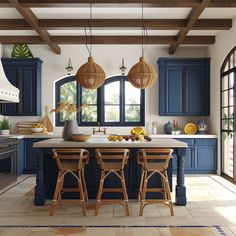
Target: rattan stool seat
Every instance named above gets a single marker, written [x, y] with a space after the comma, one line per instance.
[112, 161]
[154, 161]
[70, 161]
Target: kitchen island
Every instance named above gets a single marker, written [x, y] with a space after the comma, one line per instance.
[47, 169]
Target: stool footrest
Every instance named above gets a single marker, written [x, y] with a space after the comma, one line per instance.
[69, 201]
[70, 190]
[116, 190]
[154, 190]
[111, 201]
[157, 201]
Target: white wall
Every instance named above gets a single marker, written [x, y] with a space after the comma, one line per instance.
[109, 56]
[225, 41]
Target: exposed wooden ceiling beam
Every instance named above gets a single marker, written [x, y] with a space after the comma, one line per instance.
[206, 40]
[161, 24]
[191, 20]
[154, 24]
[120, 3]
[32, 20]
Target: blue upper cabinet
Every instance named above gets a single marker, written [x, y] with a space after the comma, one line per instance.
[25, 74]
[184, 87]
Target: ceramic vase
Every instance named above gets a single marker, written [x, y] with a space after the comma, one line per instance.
[70, 127]
[168, 128]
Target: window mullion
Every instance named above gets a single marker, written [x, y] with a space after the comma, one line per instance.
[122, 101]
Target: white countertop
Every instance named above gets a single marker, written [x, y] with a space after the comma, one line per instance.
[103, 142]
[19, 136]
[184, 136]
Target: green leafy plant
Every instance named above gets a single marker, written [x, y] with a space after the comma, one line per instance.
[21, 51]
[5, 124]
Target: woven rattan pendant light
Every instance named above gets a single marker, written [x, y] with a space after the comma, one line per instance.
[142, 75]
[90, 75]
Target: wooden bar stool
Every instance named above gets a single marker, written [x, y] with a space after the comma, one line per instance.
[112, 161]
[154, 161]
[70, 161]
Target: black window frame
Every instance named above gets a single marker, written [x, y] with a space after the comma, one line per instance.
[226, 72]
[101, 103]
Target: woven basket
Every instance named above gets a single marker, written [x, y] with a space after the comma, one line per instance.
[90, 75]
[142, 75]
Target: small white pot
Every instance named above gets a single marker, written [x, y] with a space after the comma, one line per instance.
[5, 132]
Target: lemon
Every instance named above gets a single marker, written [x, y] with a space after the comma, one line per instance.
[141, 137]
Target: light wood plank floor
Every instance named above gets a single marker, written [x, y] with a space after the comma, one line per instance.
[211, 202]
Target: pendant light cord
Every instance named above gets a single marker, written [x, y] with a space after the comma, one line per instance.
[89, 48]
[142, 31]
[144, 34]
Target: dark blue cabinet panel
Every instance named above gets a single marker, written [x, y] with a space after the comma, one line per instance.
[174, 87]
[205, 158]
[184, 86]
[20, 157]
[200, 156]
[25, 74]
[30, 159]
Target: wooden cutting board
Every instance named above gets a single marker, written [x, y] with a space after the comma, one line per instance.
[46, 121]
[25, 127]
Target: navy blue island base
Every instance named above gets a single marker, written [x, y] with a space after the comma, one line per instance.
[47, 173]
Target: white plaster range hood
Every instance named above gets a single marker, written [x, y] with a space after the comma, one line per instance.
[8, 92]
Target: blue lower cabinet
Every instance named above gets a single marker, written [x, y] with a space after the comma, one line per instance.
[200, 156]
[30, 157]
[205, 159]
[20, 157]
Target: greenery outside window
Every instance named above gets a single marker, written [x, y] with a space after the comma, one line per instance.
[117, 102]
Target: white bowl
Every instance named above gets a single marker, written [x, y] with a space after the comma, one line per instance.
[37, 130]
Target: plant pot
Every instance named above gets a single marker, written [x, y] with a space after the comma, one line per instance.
[70, 127]
[5, 132]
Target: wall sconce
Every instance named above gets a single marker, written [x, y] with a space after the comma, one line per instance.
[69, 67]
[123, 67]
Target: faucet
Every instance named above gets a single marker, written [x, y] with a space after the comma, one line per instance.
[99, 130]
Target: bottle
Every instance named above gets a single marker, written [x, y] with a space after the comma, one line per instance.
[168, 128]
[154, 128]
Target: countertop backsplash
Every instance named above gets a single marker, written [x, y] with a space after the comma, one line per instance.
[159, 120]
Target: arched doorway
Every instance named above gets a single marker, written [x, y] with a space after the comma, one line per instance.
[228, 116]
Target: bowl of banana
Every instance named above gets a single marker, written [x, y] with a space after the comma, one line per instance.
[37, 128]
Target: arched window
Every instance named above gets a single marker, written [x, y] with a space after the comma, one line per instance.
[228, 105]
[117, 102]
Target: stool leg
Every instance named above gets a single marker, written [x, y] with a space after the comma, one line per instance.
[141, 186]
[61, 187]
[81, 193]
[163, 182]
[99, 195]
[56, 193]
[125, 193]
[143, 196]
[169, 195]
[85, 187]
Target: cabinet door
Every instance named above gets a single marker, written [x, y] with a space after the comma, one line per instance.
[174, 91]
[205, 159]
[30, 156]
[29, 88]
[25, 74]
[195, 90]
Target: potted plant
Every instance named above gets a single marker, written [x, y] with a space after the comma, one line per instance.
[5, 126]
